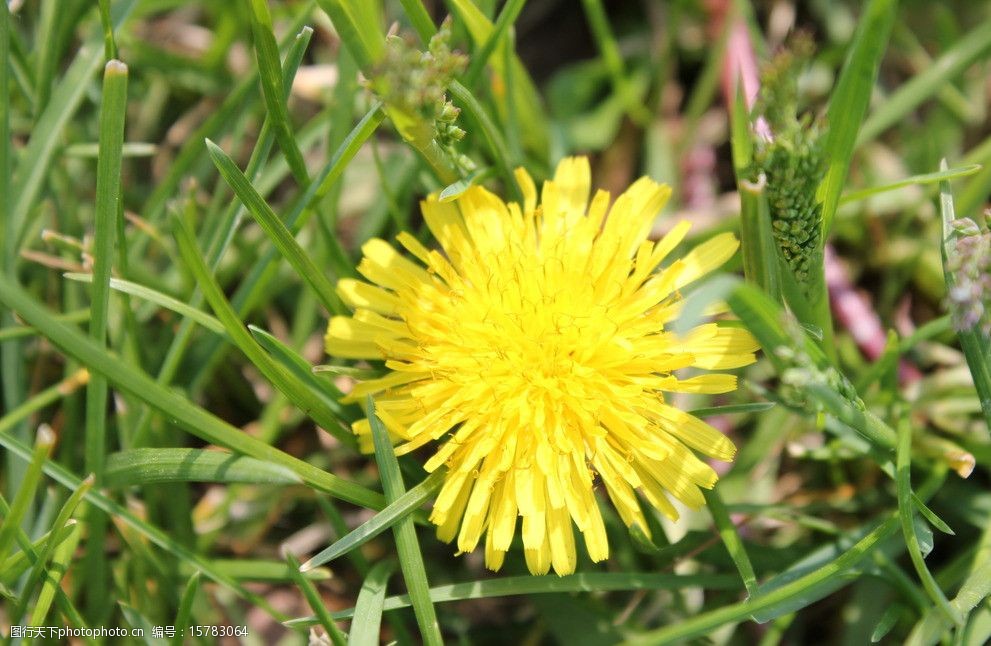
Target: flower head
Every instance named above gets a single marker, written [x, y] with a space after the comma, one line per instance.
[533, 351]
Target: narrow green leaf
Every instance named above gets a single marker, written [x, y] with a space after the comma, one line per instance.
[108, 209]
[30, 554]
[192, 418]
[61, 522]
[143, 466]
[906, 515]
[490, 133]
[527, 585]
[731, 539]
[277, 232]
[301, 369]
[26, 490]
[410, 559]
[254, 569]
[185, 614]
[732, 409]
[158, 298]
[850, 98]
[507, 17]
[887, 622]
[368, 609]
[62, 557]
[364, 45]
[931, 516]
[393, 513]
[419, 18]
[923, 179]
[281, 378]
[313, 598]
[270, 73]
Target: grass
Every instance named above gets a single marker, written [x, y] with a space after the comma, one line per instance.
[173, 229]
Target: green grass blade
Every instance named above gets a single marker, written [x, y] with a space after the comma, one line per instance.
[582, 582]
[906, 515]
[850, 98]
[507, 17]
[923, 179]
[186, 414]
[61, 559]
[270, 72]
[26, 490]
[732, 409]
[155, 535]
[281, 378]
[368, 609]
[276, 230]
[410, 559]
[61, 522]
[419, 18]
[143, 466]
[316, 602]
[107, 211]
[731, 539]
[395, 512]
[973, 342]
[30, 553]
[962, 54]
[185, 613]
[364, 45]
[301, 369]
[262, 570]
[702, 623]
[158, 298]
[490, 133]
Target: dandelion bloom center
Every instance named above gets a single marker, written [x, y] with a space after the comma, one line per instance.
[534, 349]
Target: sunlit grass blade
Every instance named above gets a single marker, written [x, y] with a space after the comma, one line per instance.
[281, 378]
[303, 582]
[528, 584]
[973, 342]
[301, 261]
[850, 98]
[158, 298]
[61, 559]
[365, 45]
[30, 553]
[27, 488]
[368, 609]
[107, 210]
[143, 466]
[186, 414]
[270, 72]
[393, 513]
[410, 558]
[61, 521]
[261, 570]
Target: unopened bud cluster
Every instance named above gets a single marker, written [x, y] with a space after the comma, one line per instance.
[793, 162]
[970, 296]
[414, 84]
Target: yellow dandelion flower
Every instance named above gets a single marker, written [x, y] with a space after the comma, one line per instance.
[533, 351]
